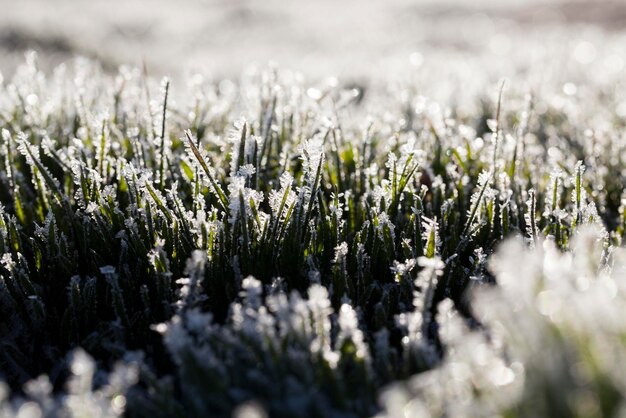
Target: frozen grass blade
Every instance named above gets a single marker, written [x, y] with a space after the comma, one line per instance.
[223, 200]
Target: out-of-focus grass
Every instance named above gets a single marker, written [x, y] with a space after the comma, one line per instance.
[352, 39]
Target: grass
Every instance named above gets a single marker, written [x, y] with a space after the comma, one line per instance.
[263, 246]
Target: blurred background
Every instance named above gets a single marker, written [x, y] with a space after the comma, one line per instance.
[348, 38]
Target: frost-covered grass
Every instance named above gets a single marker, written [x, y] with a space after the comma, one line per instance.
[296, 249]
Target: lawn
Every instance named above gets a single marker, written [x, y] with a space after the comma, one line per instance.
[276, 245]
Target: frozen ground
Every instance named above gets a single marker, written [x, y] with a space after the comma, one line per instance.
[350, 192]
[350, 38]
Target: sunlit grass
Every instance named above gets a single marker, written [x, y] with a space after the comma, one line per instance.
[270, 241]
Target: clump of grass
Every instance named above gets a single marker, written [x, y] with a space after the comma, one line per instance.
[261, 243]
